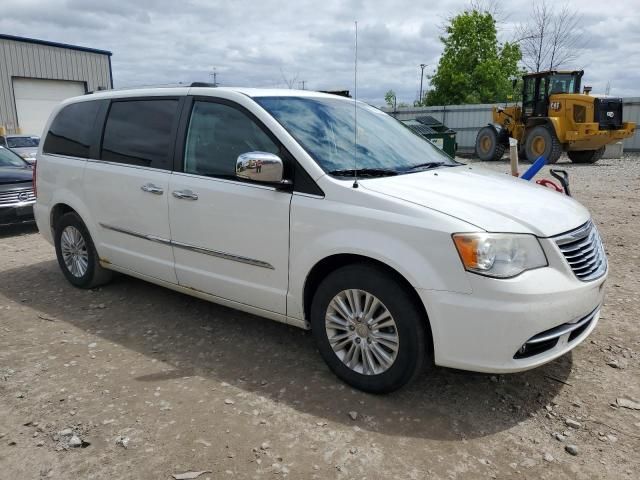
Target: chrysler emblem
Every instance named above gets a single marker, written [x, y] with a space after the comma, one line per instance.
[23, 196]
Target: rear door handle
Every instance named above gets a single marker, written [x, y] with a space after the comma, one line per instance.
[185, 195]
[151, 188]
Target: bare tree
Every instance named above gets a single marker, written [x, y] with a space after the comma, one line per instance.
[551, 38]
[533, 37]
[564, 40]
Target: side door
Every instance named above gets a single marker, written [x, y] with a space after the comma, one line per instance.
[528, 97]
[127, 185]
[230, 237]
[541, 108]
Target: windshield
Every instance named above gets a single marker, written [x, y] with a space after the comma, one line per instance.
[562, 83]
[10, 159]
[20, 142]
[325, 128]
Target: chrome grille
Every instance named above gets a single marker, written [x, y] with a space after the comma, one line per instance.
[19, 195]
[583, 250]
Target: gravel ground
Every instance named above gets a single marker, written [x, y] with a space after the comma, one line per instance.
[135, 381]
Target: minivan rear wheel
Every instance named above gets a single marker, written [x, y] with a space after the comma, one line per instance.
[368, 328]
[76, 253]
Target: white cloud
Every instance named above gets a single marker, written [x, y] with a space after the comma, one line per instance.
[254, 43]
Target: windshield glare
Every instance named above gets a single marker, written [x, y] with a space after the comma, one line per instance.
[10, 159]
[20, 142]
[325, 128]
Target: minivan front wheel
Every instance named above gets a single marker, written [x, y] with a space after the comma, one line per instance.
[368, 328]
[76, 253]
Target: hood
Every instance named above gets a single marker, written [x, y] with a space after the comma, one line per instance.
[491, 201]
[15, 174]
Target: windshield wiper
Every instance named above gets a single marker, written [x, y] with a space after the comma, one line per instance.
[364, 172]
[427, 166]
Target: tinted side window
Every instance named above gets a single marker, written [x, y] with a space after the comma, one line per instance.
[217, 135]
[71, 131]
[141, 132]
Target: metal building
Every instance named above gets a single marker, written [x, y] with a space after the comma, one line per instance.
[35, 75]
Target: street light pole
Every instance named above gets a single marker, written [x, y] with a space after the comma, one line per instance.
[422, 65]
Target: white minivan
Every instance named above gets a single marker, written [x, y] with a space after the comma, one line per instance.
[274, 203]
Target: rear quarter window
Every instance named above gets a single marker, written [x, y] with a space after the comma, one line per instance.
[71, 131]
[141, 132]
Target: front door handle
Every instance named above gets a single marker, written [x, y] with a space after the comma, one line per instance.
[151, 188]
[185, 195]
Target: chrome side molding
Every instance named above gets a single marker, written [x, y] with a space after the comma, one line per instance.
[151, 238]
[192, 248]
[226, 256]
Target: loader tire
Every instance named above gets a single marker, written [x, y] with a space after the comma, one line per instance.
[542, 141]
[586, 156]
[488, 146]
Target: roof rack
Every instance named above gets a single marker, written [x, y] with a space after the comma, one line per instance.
[203, 84]
[138, 87]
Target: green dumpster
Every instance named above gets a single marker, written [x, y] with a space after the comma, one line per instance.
[436, 132]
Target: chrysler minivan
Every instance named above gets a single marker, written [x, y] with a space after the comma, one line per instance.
[273, 202]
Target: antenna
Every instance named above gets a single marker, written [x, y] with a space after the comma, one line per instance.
[355, 114]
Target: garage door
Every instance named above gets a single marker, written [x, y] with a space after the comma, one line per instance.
[35, 99]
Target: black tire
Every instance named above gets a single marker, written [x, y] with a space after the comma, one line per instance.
[488, 146]
[410, 327]
[94, 275]
[586, 156]
[542, 140]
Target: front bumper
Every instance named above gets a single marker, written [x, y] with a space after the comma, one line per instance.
[16, 213]
[484, 331]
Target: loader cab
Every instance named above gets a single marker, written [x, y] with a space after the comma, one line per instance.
[537, 87]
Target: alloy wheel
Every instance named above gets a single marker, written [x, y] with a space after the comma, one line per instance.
[74, 251]
[362, 332]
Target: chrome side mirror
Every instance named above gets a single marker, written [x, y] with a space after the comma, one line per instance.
[260, 167]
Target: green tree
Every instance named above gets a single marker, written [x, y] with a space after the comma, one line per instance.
[474, 67]
[390, 98]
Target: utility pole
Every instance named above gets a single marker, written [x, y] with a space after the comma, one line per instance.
[214, 74]
[422, 65]
[303, 82]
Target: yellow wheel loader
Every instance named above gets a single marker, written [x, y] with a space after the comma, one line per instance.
[554, 118]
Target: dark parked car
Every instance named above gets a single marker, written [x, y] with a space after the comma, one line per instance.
[16, 188]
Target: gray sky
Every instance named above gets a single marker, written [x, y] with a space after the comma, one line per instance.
[262, 43]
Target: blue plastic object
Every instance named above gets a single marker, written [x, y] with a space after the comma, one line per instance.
[533, 169]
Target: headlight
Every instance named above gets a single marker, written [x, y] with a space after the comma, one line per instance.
[500, 255]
